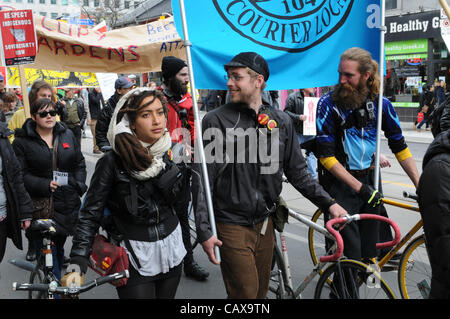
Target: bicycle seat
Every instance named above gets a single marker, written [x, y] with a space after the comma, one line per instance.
[43, 226]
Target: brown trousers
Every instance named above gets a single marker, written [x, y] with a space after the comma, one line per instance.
[92, 125]
[246, 259]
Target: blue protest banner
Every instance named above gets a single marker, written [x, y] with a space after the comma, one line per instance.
[301, 40]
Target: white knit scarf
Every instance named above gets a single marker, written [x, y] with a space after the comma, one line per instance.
[157, 150]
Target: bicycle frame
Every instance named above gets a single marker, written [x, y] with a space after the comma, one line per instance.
[333, 234]
[405, 238]
[318, 267]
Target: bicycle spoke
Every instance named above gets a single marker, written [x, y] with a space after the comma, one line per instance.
[351, 280]
[415, 271]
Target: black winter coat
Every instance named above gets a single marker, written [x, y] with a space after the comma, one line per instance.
[102, 126]
[19, 202]
[36, 159]
[434, 204]
[445, 118]
[138, 209]
[95, 104]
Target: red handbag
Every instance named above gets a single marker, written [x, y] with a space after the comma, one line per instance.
[420, 116]
[107, 258]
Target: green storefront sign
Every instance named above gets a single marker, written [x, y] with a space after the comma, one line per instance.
[405, 104]
[403, 50]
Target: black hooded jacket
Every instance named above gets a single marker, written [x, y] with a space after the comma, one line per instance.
[434, 204]
[35, 158]
[19, 205]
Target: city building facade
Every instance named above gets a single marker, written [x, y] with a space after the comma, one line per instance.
[416, 53]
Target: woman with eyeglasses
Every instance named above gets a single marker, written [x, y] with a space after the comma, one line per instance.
[34, 145]
[139, 181]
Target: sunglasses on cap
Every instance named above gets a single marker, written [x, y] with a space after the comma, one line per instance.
[44, 114]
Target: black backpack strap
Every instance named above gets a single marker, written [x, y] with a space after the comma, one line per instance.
[134, 197]
[182, 113]
[131, 251]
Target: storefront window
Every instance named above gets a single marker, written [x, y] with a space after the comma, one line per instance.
[404, 79]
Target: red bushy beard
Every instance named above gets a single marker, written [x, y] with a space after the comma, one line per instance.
[348, 97]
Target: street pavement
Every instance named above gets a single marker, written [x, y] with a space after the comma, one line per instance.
[394, 182]
[411, 135]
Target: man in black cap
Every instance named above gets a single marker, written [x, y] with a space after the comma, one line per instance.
[246, 192]
[179, 101]
[180, 116]
[122, 85]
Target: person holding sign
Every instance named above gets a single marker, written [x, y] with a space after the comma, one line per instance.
[53, 167]
[298, 113]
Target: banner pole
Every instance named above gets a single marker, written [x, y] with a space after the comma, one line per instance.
[23, 86]
[198, 129]
[444, 5]
[380, 97]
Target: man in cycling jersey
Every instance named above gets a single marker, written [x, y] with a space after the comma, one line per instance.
[346, 141]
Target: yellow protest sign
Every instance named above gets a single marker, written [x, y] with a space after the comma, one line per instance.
[55, 78]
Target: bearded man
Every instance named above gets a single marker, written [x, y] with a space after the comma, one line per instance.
[346, 143]
[180, 120]
[179, 101]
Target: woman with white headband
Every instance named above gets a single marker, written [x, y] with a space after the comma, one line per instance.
[139, 183]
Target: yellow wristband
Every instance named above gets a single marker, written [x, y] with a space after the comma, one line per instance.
[328, 162]
[402, 155]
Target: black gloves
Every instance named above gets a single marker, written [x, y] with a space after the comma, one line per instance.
[169, 181]
[370, 195]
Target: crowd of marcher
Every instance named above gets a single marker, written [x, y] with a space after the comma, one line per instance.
[140, 191]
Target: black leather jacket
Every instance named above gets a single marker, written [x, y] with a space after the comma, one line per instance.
[138, 209]
[295, 105]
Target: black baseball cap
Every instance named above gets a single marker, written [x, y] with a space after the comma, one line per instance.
[252, 60]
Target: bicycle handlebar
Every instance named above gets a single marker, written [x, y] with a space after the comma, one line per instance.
[70, 291]
[408, 195]
[350, 218]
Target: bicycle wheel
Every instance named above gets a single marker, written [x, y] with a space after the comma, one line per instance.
[278, 272]
[351, 279]
[316, 240]
[192, 229]
[414, 273]
[37, 277]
